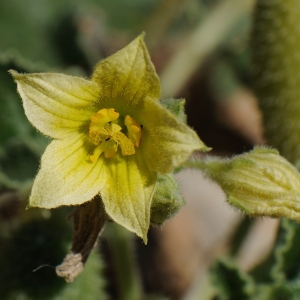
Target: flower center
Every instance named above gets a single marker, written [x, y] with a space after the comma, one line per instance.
[106, 133]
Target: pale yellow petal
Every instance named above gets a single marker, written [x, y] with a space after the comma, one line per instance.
[128, 191]
[166, 142]
[57, 104]
[128, 75]
[67, 175]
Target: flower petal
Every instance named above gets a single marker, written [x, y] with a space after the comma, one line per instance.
[56, 104]
[167, 142]
[67, 175]
[128, 74]
[128, 192]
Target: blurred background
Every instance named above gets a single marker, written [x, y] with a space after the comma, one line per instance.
[201, 51]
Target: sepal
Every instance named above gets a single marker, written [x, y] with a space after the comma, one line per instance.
[176, 106]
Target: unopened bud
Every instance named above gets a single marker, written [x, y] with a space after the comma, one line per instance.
[260, 182]
[167, 200]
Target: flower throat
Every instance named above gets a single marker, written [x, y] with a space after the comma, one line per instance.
[107, 135]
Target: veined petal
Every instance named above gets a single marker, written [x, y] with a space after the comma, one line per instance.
[67, 175]
[128, 75]
[128, 192]
[56, 104]
[167, 142]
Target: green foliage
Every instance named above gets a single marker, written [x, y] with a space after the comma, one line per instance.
[230, 282]
[20, 145]
[287, 252]
[30, 26]
[28, 247]
[127, 14]
[281, 272]
[27, 27]
[12, 161]
[13, 121]
[45, 241]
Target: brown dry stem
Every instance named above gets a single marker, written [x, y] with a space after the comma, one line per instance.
[89, 219]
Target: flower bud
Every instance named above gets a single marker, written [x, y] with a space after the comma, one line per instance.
[260, 183]
[166, 200]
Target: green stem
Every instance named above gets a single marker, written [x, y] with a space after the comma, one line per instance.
[211, 166]
[276, 65]
[123, 256]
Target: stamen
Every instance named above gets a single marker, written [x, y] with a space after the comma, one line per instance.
[97, 151]
[102, 117]
[134, 130]
[110, 148]
[115, 128]
[107, 135]
[125, 143]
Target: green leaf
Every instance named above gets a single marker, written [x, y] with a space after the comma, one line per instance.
[230, 282]
[13, 121]
[32, 244]
[278, 277]
[24, 26]
[45, 241]
[20, 143]
[18, 161]
[287, 254]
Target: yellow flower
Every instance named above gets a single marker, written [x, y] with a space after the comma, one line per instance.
[111, 136]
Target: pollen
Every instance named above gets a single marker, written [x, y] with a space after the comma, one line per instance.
[106, 133]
